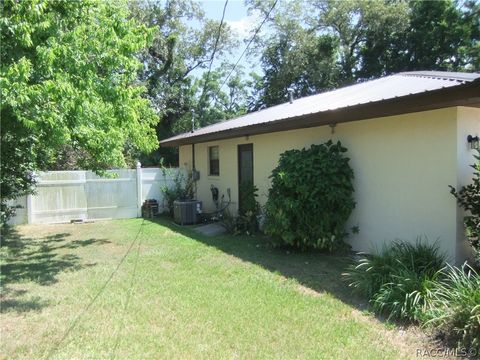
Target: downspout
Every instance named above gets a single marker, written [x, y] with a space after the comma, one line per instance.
[193, 157]
[194, 170]
[194, 175]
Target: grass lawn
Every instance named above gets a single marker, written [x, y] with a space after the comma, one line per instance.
[67, 293]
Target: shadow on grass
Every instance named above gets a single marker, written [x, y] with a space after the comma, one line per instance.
[312, 269]
[38, 260]
[22, 305]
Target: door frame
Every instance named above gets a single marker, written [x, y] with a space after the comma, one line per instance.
[239, 149]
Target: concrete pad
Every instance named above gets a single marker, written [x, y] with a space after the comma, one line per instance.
[213, 229]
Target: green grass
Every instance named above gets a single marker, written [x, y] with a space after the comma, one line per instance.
[177, 294]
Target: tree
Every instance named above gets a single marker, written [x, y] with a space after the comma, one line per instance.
[312, 46]
[316, 46]
[225, 95]
[352, 20]
[212, 102]
[183, 45]
[442, 35]
[300, 61]
[68, 79]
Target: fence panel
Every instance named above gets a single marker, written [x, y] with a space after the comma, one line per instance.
[63, 196]
[60, 197]
[114, 198]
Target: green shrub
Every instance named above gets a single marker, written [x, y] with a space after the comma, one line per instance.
[311, 198]
[247, 215]
[405, 296]
[183, 188]
[246, 222]
[398, 280]
[469, 200]
[367, 275]
[455, 306]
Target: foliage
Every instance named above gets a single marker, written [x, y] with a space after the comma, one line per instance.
[444, 35]
[248, 198]
[68, 72]
[311, 198]
[210, 103]
[410, 282]
[294, 57]
[246, 222]
[229, 222]
[370, 272]
[469, 199]
[397, 280]
[183, 188]
[405, 296]
[18, 155]
[352, 21]
[455, 306]
[182, 48]
[313, 46]
[7, 211]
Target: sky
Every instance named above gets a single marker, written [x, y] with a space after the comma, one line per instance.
[237, 17]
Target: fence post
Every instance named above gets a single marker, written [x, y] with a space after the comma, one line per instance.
[29, 209]
[139, 189]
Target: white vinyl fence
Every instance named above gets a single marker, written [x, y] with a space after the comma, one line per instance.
[62, 196]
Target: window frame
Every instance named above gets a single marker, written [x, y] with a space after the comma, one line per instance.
[210, 173]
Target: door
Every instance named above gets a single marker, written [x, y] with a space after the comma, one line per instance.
[245, 169]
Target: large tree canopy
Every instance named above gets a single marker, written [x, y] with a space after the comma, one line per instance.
[313, 46]
[440, 35]
[69, 79]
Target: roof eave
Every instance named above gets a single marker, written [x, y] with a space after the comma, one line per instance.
[462, 95]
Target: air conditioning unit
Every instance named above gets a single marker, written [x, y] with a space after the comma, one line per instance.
[185, 212]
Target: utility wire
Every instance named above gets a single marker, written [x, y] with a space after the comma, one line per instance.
[217, 39]
[207, 78]
[85, 310]
[245, 50]
[127, 301]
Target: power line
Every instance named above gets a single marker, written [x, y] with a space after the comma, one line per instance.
[217, 39]
[129, 295]
[245, 50]
[207, 78]
[89, 305]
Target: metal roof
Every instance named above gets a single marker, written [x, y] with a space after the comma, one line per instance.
[398, 86]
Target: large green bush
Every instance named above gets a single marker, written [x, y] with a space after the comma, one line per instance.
[398, 279]
[311, 198]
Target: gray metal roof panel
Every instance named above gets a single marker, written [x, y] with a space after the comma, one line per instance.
[389, 87]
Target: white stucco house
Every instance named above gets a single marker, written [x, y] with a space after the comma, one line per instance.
[407, 140]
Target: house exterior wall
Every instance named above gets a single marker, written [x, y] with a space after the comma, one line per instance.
[402, 164]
